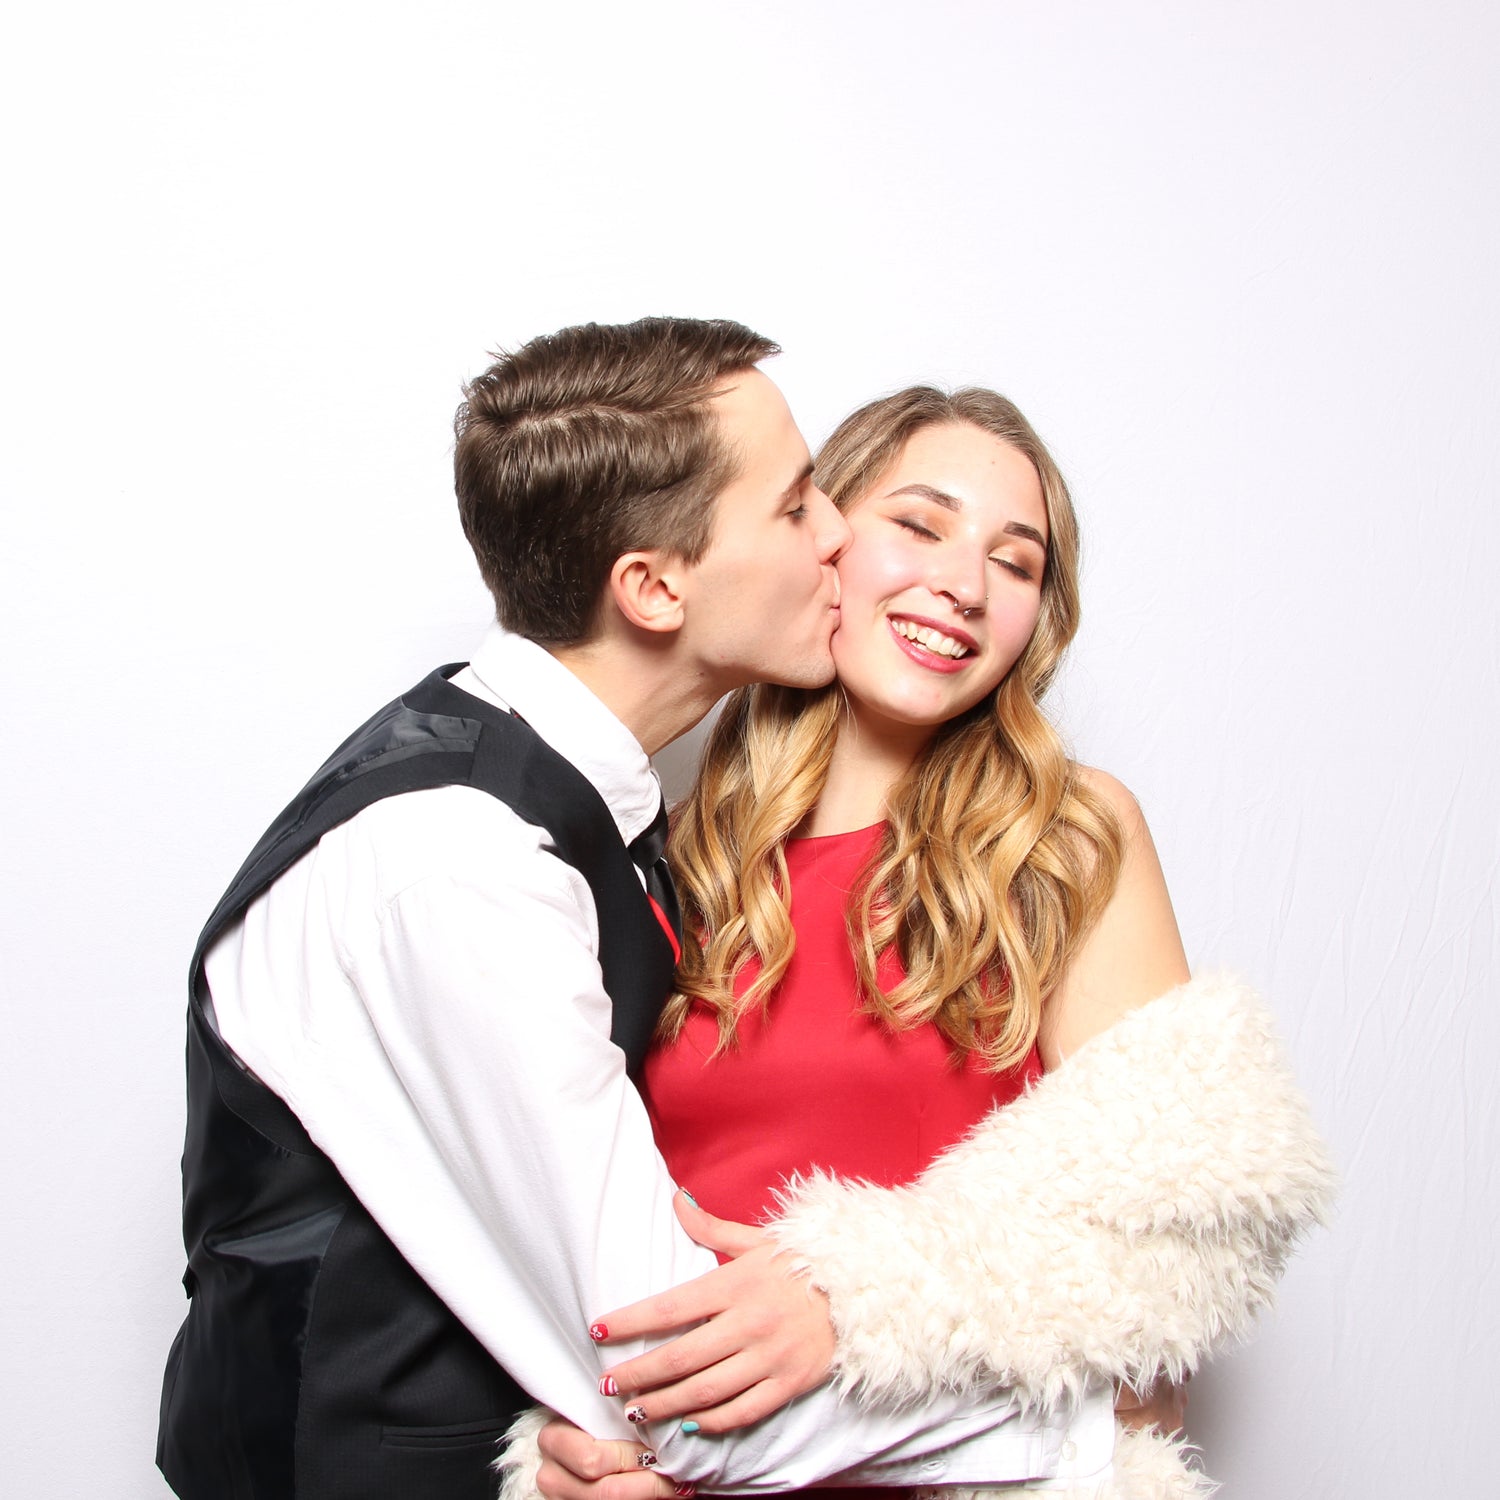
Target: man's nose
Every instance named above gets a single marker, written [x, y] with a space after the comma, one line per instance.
[833, 532]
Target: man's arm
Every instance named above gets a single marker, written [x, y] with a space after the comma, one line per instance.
[423, 992]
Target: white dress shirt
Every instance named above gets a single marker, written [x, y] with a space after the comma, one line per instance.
[423, 990]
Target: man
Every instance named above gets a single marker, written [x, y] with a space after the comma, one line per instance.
[415, 1165]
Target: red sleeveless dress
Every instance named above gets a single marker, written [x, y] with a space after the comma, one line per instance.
[813, 1082]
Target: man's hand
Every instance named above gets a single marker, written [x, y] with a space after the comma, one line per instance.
[1162, 1406]
[763, 1337]
[578, 1467]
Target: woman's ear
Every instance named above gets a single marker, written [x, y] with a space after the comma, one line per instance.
[646, 588]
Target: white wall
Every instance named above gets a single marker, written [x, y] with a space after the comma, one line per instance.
[1236, 260]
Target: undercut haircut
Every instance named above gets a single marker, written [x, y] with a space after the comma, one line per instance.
[588, 443]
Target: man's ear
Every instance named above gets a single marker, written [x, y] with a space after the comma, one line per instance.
[646, 588]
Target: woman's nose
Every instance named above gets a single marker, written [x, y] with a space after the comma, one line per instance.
[966, 598]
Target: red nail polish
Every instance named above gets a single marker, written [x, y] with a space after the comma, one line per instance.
[598, 1332]
[685, 1491]
[646, 1460]
[608, 1386]
[636, 1414]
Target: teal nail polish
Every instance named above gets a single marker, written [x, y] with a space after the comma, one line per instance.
[690, 1428]
[691, 1200]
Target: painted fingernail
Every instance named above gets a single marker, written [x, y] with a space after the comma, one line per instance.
[690, 1427]
[685, 1491]
[635, 1413]
[608, 1386]
[646, 1460]
[688, 1196]
[598, 1332]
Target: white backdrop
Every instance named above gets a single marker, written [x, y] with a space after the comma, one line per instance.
[1236, 260]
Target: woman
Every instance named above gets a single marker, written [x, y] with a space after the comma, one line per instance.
[904, 875]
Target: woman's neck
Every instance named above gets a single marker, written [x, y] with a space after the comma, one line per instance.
[867, 763]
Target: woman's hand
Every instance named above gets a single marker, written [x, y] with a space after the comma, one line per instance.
[578, 1467]
[1162, 1406]
[764, 1335]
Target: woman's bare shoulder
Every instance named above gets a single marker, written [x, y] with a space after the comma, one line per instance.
[1115, 795]
[1133, 952]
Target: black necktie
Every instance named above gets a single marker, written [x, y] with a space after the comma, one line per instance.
[646, 851]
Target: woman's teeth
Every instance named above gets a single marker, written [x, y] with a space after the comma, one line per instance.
[934, 640]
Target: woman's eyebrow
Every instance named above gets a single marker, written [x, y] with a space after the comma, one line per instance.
[1029, 533]
[950, 502]
[926, 491]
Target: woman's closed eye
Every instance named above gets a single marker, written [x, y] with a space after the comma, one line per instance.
[917, 528]
[1014, 565]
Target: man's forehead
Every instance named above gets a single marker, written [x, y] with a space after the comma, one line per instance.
[758, 429]
[746, 394]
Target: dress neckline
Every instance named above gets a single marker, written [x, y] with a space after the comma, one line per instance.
[866, 832]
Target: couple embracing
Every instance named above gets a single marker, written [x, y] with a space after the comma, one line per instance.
[912, 1020]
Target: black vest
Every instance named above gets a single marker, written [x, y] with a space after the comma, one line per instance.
[314, 1362]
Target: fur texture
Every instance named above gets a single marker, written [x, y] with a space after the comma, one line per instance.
[1130, 1213]
[1149, 1466]
[520, 1458]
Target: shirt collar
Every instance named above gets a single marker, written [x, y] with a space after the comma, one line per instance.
[511, 672]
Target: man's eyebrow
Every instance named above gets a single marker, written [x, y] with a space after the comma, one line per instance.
[797, 483]
[949, 502]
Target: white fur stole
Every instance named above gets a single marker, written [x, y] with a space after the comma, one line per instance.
[1125, 1216]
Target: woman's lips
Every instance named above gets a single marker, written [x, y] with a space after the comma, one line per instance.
[933, 661]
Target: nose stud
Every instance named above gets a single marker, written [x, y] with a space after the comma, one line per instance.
[964, 610]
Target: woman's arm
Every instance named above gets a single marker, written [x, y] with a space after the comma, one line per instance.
[1133, 953]
[1130, 1212]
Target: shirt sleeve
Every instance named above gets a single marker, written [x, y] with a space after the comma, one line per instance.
[423, 990]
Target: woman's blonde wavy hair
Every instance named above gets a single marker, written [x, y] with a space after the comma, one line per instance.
[997, 856]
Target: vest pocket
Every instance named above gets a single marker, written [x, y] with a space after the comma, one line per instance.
[456, 1435]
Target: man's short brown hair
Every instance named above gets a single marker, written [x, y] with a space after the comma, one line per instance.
[586, 444]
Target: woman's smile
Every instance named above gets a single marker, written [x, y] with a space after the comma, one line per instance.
[930, 644]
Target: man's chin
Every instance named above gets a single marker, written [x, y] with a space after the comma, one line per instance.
[808, 675]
